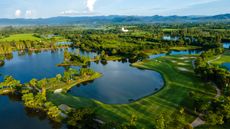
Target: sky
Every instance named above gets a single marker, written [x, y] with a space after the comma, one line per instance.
[53, 8]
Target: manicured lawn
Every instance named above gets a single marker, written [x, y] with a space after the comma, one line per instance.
[169, 30]
[179, 81]
[18, 37]
[224, 58]
[185, 48]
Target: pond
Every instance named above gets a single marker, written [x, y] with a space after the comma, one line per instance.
[15, 116]
[120, 83]
[170, 38]
[226, 45]
[226, 65]
[64, 43]
[39, 66]
[175, 52]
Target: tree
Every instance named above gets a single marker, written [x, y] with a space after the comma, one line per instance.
[54, 113]
[81, 117]
[67, 55]
[133, 120]
[214, 118]
[188, 126]
[11, 82]
[66, 77]
[33, 82]
[58, 77]
[43, 84]
[114, 51]
[161, 122]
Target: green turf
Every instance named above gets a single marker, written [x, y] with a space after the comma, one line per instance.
[224, 58]
[169, 30]
[185, 48]
[180, 80]
[18, 37]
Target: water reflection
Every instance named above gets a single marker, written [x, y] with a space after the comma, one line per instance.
[15, 116]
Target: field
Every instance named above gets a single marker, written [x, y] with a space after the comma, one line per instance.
[179, 81]
[18, 37]
[185, 48]
[223, 58]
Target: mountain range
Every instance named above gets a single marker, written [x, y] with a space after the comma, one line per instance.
[115, 20]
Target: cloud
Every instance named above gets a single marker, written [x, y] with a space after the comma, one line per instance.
[69, 12]
[28, 13]
[202, 2]
[75, 13]
[18, 13]
[90, 5]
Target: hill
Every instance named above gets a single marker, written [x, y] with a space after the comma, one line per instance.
[115, 20]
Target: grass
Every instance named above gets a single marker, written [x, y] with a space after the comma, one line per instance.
[185, 48]
[224, 58]
[18, 37]
[169, 30]
[175, 94]
[78, 80]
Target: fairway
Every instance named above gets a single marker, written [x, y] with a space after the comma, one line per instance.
[18, 37]
[223, 58]
[179, 81]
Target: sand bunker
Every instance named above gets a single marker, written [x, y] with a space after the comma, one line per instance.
[182, 64]
[182, 69]
[186, 61]
[183, 58]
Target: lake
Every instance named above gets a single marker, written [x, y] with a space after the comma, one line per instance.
[15, 116]
[175, 52]
[227, 65]
[226, 45]
[120, 84]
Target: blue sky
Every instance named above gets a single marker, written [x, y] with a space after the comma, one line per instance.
[51, 8]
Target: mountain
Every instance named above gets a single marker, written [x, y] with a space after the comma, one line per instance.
[115, 20]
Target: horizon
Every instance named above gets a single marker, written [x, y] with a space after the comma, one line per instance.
[31, 9]
[117, 16]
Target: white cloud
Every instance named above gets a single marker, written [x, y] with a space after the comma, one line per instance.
[18, 13]
[90, 5]
[69, 12]
[28, 13]
[195, 2]
[75, 13]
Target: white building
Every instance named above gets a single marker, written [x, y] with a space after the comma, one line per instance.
[124, 30]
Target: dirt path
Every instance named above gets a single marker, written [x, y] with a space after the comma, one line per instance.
[218, 92]
[198, 121]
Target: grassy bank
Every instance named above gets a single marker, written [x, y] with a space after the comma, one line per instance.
[223, 58]
[185, 48]
[179, 81]
[78, 80]
[163, 50]
[6, 91]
